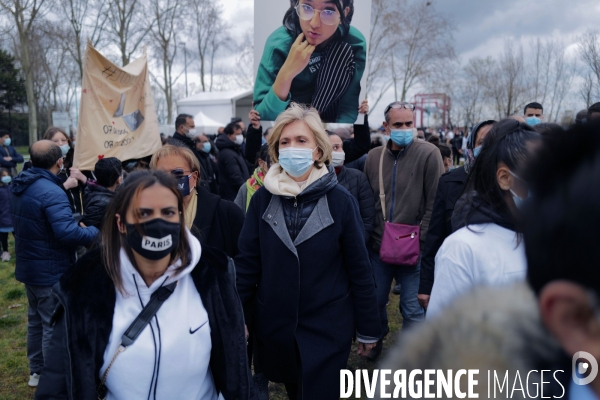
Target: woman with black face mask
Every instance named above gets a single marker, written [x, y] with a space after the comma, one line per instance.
[215, 221]
[149, 313]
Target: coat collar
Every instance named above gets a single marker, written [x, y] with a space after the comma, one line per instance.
[207, 209]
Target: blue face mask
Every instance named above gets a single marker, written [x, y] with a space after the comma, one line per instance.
[206, 147]
[183, 184]
[518, 200]
[7, 142]
[6, 179]
[65, 149]
[476, 151]
[531, 121]
[296, 161]
[402, 137]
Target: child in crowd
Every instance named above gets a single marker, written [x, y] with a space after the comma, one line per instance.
[6, 224]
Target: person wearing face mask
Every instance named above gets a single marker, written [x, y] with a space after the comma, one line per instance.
[486, 246]
[355, 182]
[6, 222]
[9, 157]
[450, 187]
[533, 113]
[304, 263]
[73, 180]
[214, 221]
[46, 235]
[408, 170]
[186, 135]
[256, 181]
[190, 344]
[109, 175]
[232, 165]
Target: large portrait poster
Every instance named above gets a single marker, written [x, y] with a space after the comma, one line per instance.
[311, 52]
[117, 116]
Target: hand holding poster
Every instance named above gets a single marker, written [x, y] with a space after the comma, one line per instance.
[117, 116]
[317, 57]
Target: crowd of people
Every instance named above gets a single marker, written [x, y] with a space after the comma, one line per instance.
[262, 255]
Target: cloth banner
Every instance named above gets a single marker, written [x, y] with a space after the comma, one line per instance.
[117, 117]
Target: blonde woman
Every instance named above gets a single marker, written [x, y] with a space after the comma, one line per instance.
[213, 220]
[303, 259]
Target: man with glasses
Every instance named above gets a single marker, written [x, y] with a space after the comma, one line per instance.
[410, 170]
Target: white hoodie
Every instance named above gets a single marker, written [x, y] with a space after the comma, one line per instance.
[171, 354]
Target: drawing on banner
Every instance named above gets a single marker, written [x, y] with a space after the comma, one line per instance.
[117, 116]
[317, 56]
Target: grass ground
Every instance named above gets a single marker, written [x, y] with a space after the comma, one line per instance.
[14, 371]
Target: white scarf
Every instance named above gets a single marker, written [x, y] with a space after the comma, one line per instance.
[279, 183]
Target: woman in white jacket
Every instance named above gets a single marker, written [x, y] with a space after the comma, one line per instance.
[486, 246]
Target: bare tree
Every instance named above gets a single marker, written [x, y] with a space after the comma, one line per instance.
[423, 41]
[507, 86]
[164, 39]
[211, 36]
[86, 19]
[127, 26]
[589, 52]
[25, 14]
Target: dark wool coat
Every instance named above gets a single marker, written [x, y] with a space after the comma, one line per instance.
[218, 222]
[233, 167]
[450, 188]
[46, 235]
[358, 185]
[83, 323]
[312, 294]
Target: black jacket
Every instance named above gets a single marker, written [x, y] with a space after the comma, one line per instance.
[253, 143]
[358, 185]
[95, 200]
[312, 294]
[218, 222]
[207, 174]
[361, 144]
[83, 323]
[233, 167]
[450, 187]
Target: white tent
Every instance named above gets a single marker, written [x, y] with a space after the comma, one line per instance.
[206, 124]
[221, 106]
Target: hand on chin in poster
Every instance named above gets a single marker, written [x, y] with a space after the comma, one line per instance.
[317, 57]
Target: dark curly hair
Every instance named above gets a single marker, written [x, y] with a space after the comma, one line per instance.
[291, 22]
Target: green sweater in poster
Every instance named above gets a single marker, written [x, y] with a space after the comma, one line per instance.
[274, 55]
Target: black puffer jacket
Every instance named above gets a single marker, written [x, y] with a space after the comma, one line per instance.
[358, 185]
[233, 167]
[296, 210]
[95, 200]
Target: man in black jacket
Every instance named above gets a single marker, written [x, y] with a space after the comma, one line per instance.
[233, 167]
[108, 173]
[185, 131]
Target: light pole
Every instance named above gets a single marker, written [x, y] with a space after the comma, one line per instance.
[185, 65]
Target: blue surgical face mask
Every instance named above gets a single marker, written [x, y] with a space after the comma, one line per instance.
[296, 161]
[7, 142]
[65, 149]
[518, 200]
[402, 137]
[206, 147]
[532, 121]
[476, 151]
[6, 179]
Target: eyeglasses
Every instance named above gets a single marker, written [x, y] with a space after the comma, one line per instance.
[306, 12]
[178, 172]
[398, 105]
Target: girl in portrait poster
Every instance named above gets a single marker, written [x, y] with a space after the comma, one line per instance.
[315, 58]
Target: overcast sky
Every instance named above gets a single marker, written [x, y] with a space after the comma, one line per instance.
[482, 26]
